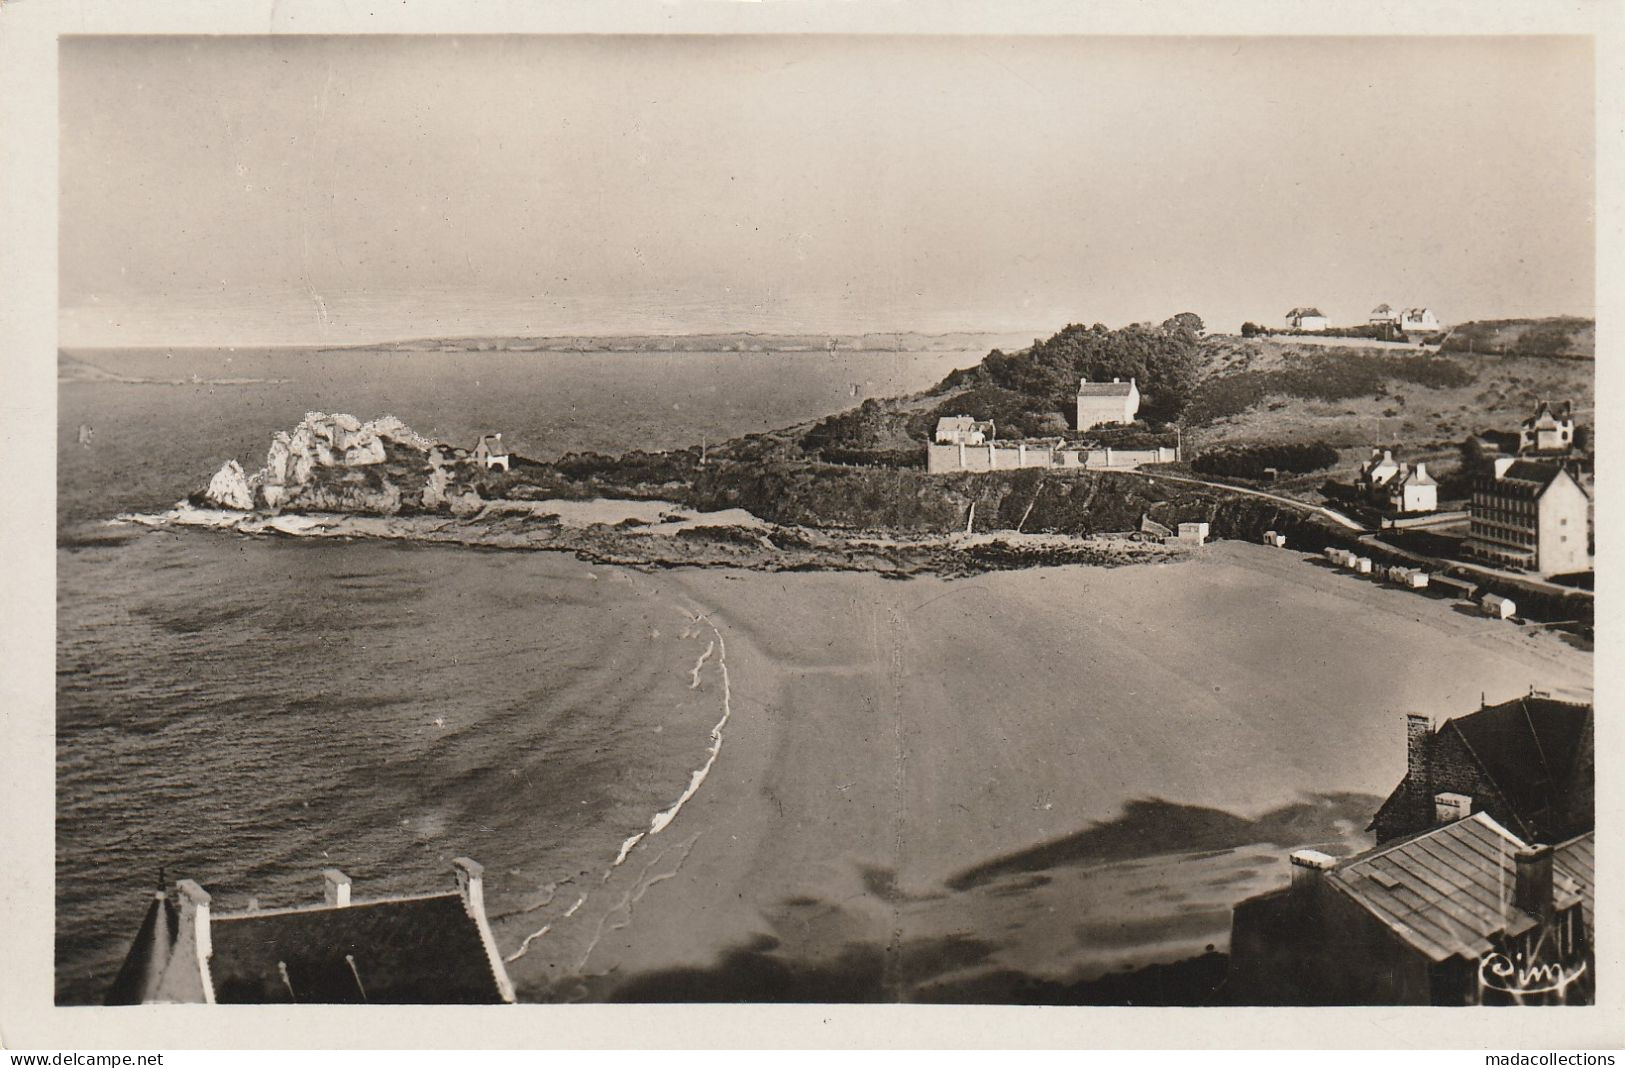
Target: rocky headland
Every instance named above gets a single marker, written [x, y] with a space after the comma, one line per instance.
[337, 476]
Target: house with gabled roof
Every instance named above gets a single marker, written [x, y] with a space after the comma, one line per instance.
[1396, 486]
[1549, 430]
[1528, 762]
[490, 453]
[1418, 321]
[963, 430]
[1462, 914]
[1106, 403]
[1383, 315]
[424, 949]
[1308, 318]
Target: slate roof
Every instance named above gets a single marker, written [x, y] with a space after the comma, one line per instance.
[1529, 748]
[1576, 861]
[1447, 892]
[423, 950]
[1382, 309]
[493, 444]
[1537, 751]
[1105, 389]
[1551, 412]
[148, 954]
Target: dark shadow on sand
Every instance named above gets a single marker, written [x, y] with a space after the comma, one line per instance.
[1152, 827]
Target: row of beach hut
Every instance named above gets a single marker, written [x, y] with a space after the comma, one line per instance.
[1414, 578]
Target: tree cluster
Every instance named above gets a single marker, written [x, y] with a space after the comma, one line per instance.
[1162, 359]
[1252, 461]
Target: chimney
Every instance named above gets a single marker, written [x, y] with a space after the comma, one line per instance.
[1418, 773]
[335, 887]
[1449, 807]
[194, 917]
[1309, 867]
[471, 884]
[1421, 471]
[1533, 890]
[1116, 381]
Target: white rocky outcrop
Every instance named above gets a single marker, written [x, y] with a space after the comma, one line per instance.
[229, 488]
[320, 440]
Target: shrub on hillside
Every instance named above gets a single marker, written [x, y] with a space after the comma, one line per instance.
[1163, 359]
[1014, 414]
[1337, 374]
[1250, 461]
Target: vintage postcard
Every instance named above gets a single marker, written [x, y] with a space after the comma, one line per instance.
[980, 518]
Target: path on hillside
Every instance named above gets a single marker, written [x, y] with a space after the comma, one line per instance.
[1303, 506]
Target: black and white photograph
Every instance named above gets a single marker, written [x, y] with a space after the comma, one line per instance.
[1071, 520]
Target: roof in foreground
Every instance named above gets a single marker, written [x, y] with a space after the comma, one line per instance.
[1448, 892]
[424, 950]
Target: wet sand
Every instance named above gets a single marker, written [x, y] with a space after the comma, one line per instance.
[951, 789]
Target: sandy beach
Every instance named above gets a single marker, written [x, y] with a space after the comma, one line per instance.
[959, 789]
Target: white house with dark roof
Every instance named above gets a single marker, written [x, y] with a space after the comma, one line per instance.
[1398, 486]
[1418, 321]
[1550, 429]
[963, 430]
[1309, 318]
[1383, 315]
[422, 949]
[1107, 403]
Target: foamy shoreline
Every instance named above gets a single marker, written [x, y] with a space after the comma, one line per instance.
[663, 534]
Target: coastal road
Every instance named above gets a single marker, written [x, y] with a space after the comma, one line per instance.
[1302, 506]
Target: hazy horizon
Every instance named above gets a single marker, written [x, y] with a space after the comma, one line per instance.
[343, 190]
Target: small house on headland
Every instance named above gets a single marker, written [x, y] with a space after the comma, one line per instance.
[490, 453]
[1383, 315]
[424, 949]
[1306, 319]
[1528, 762]
[1463, 914]
[1106, 403]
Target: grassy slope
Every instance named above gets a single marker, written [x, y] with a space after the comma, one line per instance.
[1428, 423]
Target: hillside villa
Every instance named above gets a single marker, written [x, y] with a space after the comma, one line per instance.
[1549, 430]
[1397, 487]
[419, 949]
[1107, 403]
[1532, 515]
[1418, 321]
[1306, 319]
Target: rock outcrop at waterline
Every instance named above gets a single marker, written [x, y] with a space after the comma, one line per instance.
[337, 463]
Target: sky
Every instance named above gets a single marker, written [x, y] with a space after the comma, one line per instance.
[299, 190]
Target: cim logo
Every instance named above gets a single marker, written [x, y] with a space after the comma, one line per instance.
[1520, 978]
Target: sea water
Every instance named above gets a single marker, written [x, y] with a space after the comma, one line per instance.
[245, 711]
